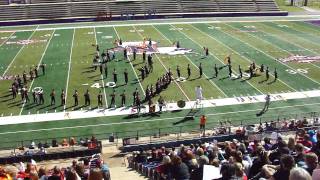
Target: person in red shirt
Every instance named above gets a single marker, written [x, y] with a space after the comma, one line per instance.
[203, 121]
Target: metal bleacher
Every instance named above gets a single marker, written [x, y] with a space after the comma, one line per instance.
[54, 9]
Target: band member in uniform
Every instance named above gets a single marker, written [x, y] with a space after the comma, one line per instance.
[34, 96]
[41, 97]
[178, 44]
[95, 61]
[125, 53]
[150, 63]
[106, 70]
[135, 94]
[100, 99]
[178, 72]
[26, 96]
[262, 68]
[206, 51]
[230, 70]
[14, 91]
[22, 94]
[134, 54]
[36, 71]
[63, 98]
[101, 68]
[43, 68]
[144, 56]
[251, 69]
[267, 73]
[142, 73]
[123, 98]
[87, 98]
[24, 75]
[216, 71]
[75, 97]
[53, 97]
[200, 70]
[125, 76]
[112, 103]
[31, 74]
[275, 74]
[97, 48]
[115, 76]
[240, 72]
[189, 71]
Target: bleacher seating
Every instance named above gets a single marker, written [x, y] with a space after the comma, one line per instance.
[51, 9]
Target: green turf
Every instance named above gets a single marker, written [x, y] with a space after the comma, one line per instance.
[263, 44]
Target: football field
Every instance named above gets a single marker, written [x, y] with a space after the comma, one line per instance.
[290, 47]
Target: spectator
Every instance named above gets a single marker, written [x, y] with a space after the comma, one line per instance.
[299, 174]
[299, 153]
[42, 174]
[286, 164]
[164, 168]
[64, 142]
[291, 144]
[179, 170]
[54, 143]
[105, 172]
[197, 174]
[311, 160]
[56, 174]
[95, 174]
[72, 141]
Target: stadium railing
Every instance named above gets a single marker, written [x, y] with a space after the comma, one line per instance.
[164, 134]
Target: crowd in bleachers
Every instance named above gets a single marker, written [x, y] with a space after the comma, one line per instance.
[276, 157]
[92, 168]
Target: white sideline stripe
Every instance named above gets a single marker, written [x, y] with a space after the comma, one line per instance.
[219, 60]
[43, 53]
[103, 85]
[177, 22]
[184, 93]
[192, 62]
[7, 39]
[14, 58]
[69, 69]
[170, 107]
[151, 120]
[131, 65]
[272, 57]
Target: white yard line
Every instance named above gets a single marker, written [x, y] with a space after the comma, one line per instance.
[131, 65]
[44, 52]
[40, 118]
[69, 69]
[103, 85]
[187, 21]
[218, 59]
[233, 51]
[14, 58]
[183, 92]
[269, 54]
[7, 39]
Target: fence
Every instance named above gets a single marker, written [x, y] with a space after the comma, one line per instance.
[153, 135]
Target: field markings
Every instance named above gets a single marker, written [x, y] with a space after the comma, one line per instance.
[14, 58]
[272, 57]
[191, 61]
[262, 53]
[227, 46]
[216, 57]
[43, 54]
[289, 42]
[131, 65]
[69, 69]
[103, 85]
[7, 39]
[184, 93]
[153, 120]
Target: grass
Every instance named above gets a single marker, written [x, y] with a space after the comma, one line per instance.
[284, 6]
[68, 55]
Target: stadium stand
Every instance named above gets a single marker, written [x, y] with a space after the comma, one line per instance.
[45, 9]
[273, 155]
